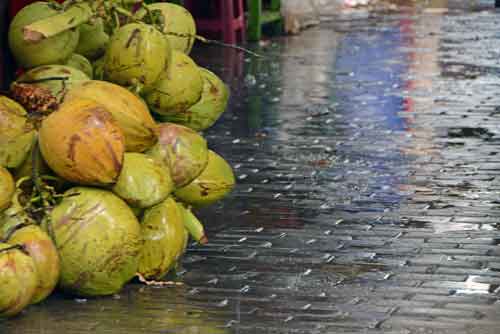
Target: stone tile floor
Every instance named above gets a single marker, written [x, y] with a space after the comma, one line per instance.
[367, 157]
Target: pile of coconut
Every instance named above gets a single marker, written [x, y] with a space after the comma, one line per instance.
[101, 156]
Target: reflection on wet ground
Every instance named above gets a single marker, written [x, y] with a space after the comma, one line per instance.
[366, 152]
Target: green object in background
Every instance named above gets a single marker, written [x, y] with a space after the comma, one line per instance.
[260, 15]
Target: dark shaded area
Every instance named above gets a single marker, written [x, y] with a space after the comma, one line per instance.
[6, 63]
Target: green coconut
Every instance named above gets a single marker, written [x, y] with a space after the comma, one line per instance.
[40, 247]
[7, 188]
[14, 216]
[129, 111]
[143, 181]
[16, 133]
[214, 183]
[98, 238]
[137, 54]
[18, 280]
[177, 20]
[81, 63]
[177, 89]
[57, 79]
[52, 50]
[183, 150]
[93, 40]
[164, 239]
[207, 111]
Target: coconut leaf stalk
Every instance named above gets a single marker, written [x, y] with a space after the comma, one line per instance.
[193, 225]
[54, 25]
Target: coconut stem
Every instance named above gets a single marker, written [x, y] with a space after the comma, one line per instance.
[194, 227]
[43, 80]
[215, 42]
[35, 171]
[117, 20]
[19, 247]
[50, 229]
[226, 45]
[123, 11]
[13, 229]
[46, 28]
[142, 279]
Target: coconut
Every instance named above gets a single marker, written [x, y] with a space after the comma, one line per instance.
[207, 111]
[82, 143]
[164, 239]
[7, 188]
[93, 39]
[143, 181]
[183, 150]
[98, 238]
[81, 63]
[16, 133]
[40, 247]
[129, 111]
[18, 280]
[137, 54]
[13, 217]
[214, 183]
[52, 50]
[178, 88]
[56, 79]
[177, 20]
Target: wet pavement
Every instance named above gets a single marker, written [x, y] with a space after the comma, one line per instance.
[367, 157]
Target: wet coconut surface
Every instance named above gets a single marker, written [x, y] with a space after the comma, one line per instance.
[366, 155]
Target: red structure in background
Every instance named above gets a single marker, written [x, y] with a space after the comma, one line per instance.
[8, 9]
[224, 17]
[16, 5]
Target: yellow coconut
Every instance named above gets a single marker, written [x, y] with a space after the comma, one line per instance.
[130, 112]
[82, 143]
[7, 188]
[18, 280]
[42, 250]
[16, 133]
